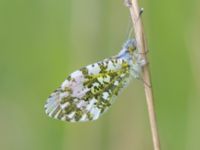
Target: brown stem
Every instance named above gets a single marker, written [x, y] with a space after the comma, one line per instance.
[142, 47]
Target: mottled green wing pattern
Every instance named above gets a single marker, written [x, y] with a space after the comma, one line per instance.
[89, 92]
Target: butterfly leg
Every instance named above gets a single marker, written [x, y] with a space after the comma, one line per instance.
[143, 81]
[144, 53]
[142, 63]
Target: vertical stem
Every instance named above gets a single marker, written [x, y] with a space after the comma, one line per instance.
[142, 47]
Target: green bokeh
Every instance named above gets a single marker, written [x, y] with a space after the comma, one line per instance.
[42, 41]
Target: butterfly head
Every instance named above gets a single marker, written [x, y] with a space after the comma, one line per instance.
[130, 45]
[128, 48]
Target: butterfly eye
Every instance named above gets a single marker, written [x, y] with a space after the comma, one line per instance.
[131, 49]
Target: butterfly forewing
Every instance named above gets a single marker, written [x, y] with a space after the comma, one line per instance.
[89, 92]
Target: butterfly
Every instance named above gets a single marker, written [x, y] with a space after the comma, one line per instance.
[89, 92]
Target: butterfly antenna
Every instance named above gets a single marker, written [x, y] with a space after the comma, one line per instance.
[129, 29]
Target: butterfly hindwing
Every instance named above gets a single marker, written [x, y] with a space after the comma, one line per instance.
[89, 92]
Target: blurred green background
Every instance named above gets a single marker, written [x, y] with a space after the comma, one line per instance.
[42, 41]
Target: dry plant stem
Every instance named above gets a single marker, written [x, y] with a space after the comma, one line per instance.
[142, 47]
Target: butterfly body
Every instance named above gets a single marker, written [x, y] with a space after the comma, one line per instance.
[90, 91]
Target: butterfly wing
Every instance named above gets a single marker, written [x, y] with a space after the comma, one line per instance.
[89, 92]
